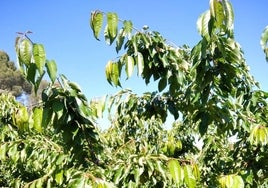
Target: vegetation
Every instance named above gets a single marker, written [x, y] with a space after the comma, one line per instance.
[218, 138]
[11, 79]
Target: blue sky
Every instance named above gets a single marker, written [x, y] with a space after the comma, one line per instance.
[63, 27]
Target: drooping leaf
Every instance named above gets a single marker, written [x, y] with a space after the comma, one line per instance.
[120, 40]
[3, 151]
[31, 73]
[264, 42]
[21, 117]
[188, 177]
[128, 26]
[231, 181]
[96, 21]
[175, 171]
[51, 69]
[204, 26]
[39, 56]
[59, 177]
[129, 65]
[162, 84]
[112, 23]
[118, 175]
[108, 71]
[229, 17]
[112, 71]
[259, 135]
[217, 12]
[140, 63]
[25, 51]
[38, 118]
[203, 125]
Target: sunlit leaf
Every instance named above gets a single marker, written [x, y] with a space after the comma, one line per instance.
[188, 177]
[203, 25]
[59, 177]
[264, 42]
[108, 71]
[175, 171]
[120, 40]
[140, 63]
[118, 175]
[115, 74]
[259, 135]
[217, 11]
[96, 21]
[25, 51]
[39, 56]
[231, 181]
[74, 86]
[37, 118]
[129, 65]
[21, 117]
[52, 70]
[160, 168]
[112, 22]
[128, 26]
[3, 150]
[229, 17]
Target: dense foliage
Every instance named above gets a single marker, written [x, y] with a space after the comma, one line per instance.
[11, 79]
[218, 139]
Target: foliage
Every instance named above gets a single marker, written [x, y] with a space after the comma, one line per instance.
[218, 138]
[264, 41]
[11, 80]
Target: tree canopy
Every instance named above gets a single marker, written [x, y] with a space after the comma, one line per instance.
[218, 139]
[11, 79]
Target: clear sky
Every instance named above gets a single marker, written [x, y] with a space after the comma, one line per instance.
[63, 27]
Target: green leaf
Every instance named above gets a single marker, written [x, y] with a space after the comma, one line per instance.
[52, 70]
[108, 71]
[196, 171]
[188, 177]
[3, 151]
[175, 171]
[25, 51]
[129, 65]
[238, 182]
[229, 17]
[112, 71]
[59, 177]
[203, 125]
[259, 135]
[115, 74]
[217, 12]
[37, 118]
[203, 25]
[21, 117]
[160, 169]
[118, 175]
[112, 22]
[162, 84]
[231, 181]
[39, 57]
[128, 26]
[140, 63]
[31, 73]
[120, 40]
[75, 86]
[96, 21]
[264, 42]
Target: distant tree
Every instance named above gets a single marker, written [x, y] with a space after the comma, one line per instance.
[11, 79]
